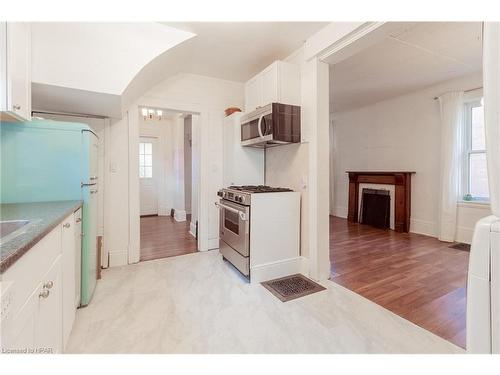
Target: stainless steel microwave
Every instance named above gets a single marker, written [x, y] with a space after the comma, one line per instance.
[272, 125]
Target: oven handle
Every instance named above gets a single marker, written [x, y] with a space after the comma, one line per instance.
[259, 126]
[243, 216]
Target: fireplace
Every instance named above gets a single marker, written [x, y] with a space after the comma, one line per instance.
[402, 195]
[376, 208]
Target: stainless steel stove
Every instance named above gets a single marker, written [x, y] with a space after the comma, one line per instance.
[272, 215]
[242, 194]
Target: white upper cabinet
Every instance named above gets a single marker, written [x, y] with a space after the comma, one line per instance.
[278, 83]
[15, 69]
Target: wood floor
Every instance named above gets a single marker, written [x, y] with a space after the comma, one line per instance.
[416, 277]
[162, 237]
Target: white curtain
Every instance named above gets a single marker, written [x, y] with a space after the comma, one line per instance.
[491, 83]
[451, 105]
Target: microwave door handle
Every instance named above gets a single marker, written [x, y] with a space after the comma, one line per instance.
[242, 214]
[259, 126]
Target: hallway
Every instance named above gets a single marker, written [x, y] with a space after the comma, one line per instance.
[163, 237]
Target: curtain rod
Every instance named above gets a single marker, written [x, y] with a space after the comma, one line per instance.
[469, 90]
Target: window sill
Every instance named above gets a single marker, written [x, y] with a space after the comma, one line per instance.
[473, 204]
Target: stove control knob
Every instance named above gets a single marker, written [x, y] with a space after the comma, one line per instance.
[239, 198]
[220, 193]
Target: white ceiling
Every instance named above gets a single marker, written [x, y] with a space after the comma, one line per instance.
[97, 56]
[238, 50]
[417, 56]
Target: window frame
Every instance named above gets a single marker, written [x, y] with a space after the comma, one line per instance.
[468, 105]
[144, 165]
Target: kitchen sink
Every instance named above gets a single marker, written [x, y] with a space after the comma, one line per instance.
[10, 226]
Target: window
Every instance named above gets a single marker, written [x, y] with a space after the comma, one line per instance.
[145, 160]
[475, 181]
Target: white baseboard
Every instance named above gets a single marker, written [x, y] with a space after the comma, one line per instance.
[427, 228]
[304, 266]
[192, 229]
[340, 211]
[118, 258]
[269, 271]
[179, 215]
[464, 235]
[213, 243]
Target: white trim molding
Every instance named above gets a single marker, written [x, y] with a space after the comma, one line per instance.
[192, 229]
[274, 270]
[118, 258]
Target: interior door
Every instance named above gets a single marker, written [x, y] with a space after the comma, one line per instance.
[147, 176]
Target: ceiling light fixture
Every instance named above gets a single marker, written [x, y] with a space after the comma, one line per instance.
[152, 114]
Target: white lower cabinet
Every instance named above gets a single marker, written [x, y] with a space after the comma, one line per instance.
[48, 319]
[40, 291]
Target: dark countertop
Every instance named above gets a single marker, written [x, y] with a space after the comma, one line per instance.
[43, 217]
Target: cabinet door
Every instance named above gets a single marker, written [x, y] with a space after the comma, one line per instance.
[3, 66]
[48, 322]
[288, 83]
[68, 273]
[270, 84]
[19, 69]
[18, 333]
[253, 94]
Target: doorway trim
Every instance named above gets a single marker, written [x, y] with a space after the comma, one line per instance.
[201, 121]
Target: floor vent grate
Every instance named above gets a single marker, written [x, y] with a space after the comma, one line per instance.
[292, 287]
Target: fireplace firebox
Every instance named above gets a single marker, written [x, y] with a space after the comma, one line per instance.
[402, 196]
[376, 208]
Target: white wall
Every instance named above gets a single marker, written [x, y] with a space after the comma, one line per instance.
[178, 169]
[116, 203]
[402, 133]
[187, 164]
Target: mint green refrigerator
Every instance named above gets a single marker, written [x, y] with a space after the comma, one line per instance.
[43, 160]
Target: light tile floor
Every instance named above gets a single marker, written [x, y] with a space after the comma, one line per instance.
[197, 303]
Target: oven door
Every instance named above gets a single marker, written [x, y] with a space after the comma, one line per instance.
[235, 226]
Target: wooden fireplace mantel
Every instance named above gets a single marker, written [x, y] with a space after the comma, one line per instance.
[402, 182]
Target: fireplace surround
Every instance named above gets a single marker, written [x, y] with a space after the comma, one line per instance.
[402, 183]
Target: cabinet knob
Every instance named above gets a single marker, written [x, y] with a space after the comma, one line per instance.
[16, 107]
[78, 220]
[48, 285]
[67, 225]
[93, 191]
[44, 293]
